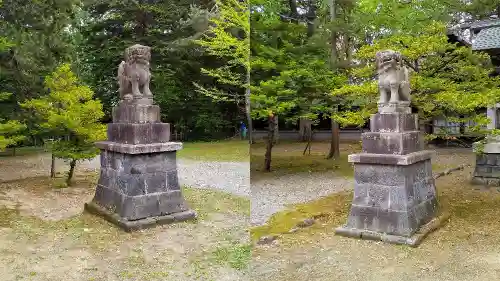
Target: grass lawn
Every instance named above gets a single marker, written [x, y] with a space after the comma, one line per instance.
[287, 158]
[232, 150]
[22, 151]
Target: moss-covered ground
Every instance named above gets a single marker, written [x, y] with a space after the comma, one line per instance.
[466, 248]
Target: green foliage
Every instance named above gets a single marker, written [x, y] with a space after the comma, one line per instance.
[386, 16]
[176, 62]
[228, 38]
[34, 41]
[69, 112]
[446, 80]
[290, 70]
[9, 131]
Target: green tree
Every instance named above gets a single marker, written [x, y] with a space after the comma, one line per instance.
[37, 42]
[109, 27]
[228, 38]
[291, 73]
[70, 112]
[446, 80]
[9, 131]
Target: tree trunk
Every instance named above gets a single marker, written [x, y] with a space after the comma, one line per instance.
[333, 39]
[270, 142]
[276, 135]
[53, 167]
[72, 165]
[335, 141]
[294, 14]
[248, 110]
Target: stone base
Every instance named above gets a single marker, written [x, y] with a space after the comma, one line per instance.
[133, 133]
[400, 143]
[412, 241]
[134, 225]
[396, 107]
[394, 122]
[392, 198]
[139, 148]
[487, 170]
[139, 183]
[136, 113]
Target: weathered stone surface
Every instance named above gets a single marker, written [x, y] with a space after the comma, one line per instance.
[139, 174]
[393, 199]
[134, 225]
[139, 148]
[392, 143]
[393, 82]
[391, 159]
[136, 113]
[413, 240]
[147, 133]
[394, 190]
[138, 186]
[396, 122]
[134, 207]
[492, 147]
[487, 170]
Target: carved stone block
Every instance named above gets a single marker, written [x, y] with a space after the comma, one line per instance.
[394, 189]
[145, 133]
[136, 113]
[392, 143]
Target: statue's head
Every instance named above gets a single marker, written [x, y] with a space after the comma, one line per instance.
[138, 53]
[388, 58]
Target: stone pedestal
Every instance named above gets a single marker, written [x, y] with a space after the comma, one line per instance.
[487, 170]
[138, 185]
[394, 191]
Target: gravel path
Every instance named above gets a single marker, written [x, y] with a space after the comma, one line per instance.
[272, 195]
[231, 177]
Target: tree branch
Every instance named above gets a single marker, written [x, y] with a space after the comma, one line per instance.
[410, 64]
[444, 65]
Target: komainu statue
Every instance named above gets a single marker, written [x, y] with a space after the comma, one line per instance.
[133, 73]
[393, 78]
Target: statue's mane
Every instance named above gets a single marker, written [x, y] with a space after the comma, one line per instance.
[384, 67]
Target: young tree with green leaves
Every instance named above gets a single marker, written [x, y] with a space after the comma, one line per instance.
[228, 38]
[70, 112]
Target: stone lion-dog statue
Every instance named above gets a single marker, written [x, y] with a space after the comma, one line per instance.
[133, 73]
[393, 78]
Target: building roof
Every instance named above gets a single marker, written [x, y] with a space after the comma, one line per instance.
[481, 24]
[487, 39]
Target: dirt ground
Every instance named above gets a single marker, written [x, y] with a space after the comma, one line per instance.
[44, 235]
[466, 248]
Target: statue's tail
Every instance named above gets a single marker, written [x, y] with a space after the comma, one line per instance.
[406, 86]
[121, 77]
[121, 70]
